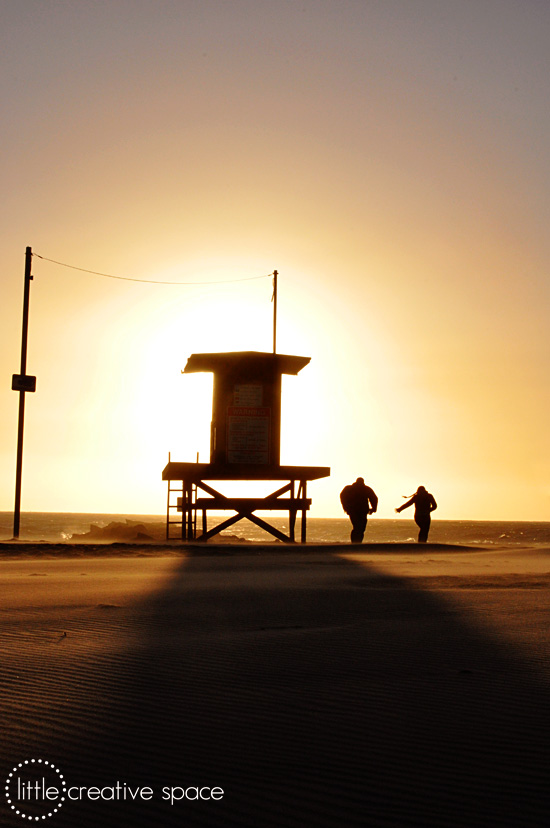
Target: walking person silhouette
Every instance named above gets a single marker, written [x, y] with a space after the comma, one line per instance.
[424, 505]
[358, 501]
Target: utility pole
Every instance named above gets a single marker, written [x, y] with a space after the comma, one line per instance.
[22, 383]
[275, 274]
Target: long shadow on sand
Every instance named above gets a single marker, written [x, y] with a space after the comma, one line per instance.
[313, 691]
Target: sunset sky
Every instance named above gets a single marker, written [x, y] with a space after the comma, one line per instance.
[388, 157]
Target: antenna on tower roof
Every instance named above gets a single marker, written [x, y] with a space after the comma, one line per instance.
[275, 274]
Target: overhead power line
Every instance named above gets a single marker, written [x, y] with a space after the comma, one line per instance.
[150, 281]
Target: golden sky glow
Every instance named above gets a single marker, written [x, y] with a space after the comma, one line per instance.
[388, 158]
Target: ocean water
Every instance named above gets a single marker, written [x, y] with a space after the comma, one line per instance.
[67, 527]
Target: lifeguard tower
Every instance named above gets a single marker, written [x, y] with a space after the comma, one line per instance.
[245, 444]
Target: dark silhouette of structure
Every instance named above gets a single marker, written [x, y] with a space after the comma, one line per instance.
[358, 501]
[424, 505]
[245, 444]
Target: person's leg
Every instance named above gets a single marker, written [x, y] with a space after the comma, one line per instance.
[359, 523]
[423, 523]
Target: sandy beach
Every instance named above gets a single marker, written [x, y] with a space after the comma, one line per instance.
[388, 685]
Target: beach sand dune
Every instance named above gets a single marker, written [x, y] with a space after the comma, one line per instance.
[315, 688]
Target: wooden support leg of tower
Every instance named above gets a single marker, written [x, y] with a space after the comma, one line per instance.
[292, 525]
[292, 516]
[189, 513]
[194, 497]
[302, 492]
[168, 513]
[184, 513]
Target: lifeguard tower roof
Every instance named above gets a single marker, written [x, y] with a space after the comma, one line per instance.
[248, 361]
